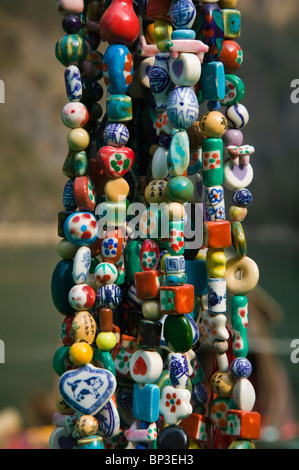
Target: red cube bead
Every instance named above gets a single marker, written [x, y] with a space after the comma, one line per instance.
[217, 234]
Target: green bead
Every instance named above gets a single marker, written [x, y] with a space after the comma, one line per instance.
[132, 259]
[234, 90]
[103, 359]
[179, 189]
[238, 239]
[239, 320]
[59, 360]
[212, 162]
[71, 49]
[176, 243]
[178, 333]
[178, 156]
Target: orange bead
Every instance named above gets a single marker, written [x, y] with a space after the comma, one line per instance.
[217, 234]
[81, 354]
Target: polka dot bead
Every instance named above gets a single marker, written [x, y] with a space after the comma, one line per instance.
[81, 297]
[237, 116]
[241, 367]
[80, 228]
[74, 115]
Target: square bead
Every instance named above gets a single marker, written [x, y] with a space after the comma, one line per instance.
[217, 234]
[197, 427]
[146, 401]
[243, 424]
[212, 81]
[177, 299]
[232, 23]
[148, 283]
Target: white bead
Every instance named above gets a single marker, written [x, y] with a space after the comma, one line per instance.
[185, 70]
[146, 366]
[223, 363]
[244, 395]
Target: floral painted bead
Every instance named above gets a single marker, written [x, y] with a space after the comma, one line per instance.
[178, 370]
[81, 229]
[81, 297]
[118, 69]
[175, 404]
[105, 273]
[85, 194]
[234, 90]
[73, 84]
[217, 295]
[112, 246]
[231, 56]
[116, 162]
[149, 255]
[215, 203]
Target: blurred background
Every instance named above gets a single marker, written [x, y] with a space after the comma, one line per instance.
[33, 149]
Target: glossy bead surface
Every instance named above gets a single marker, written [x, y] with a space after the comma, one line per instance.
[231, 56]
[178, 333]
[116, 134]
[118, 69]
[250, 275]
[173, 437]
[146, 366]
[238, 239]
[73, 84]
[232, 23]
[243, 424]
[234, 90]
[185, 70]
[83, 327]
[119, 23]
[71, 50]
[241, 367]
[215, 203]
[212, 162]
[80, 354]
[222, 383]
[86, 426]
[180, 189]
[80, 228]
[217, 295]
[61, 283]
[146, 402]
[182, 107]
[178, 154]
[74, 114]
[106, 341]
[119, 108]
[116, 162]
[175, 404]
[239, 319]
[212, 81]
[210, 25]
[81, 297]
[149, 335]
[178, 370]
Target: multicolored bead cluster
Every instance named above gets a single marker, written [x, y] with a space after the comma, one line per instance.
[138, 299]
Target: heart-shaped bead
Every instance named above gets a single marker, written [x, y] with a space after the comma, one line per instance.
[87, 389]
[116, 162]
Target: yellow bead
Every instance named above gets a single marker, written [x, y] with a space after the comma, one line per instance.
[162, 33]
[195, 445]
[216, 262]
[78, 139]
[213, 124]
[81, 354]
[175, 211]
[106, 341]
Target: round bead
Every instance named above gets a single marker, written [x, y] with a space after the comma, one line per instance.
[109, 296]
[175, 211]
[237, 213]
[234, 90]
[105, 273]
[116, 189]
[71, 24]
[213, 124]
[81, 228]
[233, 137]
[241, 367]
[151, 310]
[173, 437]
[71, 50]
[231, 56]
[199, 394]
[85, 193]
[242, 197]
[78, 139]
[249, 278]
[116, 134]
[86, 425]
[106, 340]
[237, 116]
[90, 443]
[180, 189]
[66, 250]
[155, 191]
[182, 14]
[182, 107]
[74, 115]
[222, 383]
[80, 354]
[81, 297]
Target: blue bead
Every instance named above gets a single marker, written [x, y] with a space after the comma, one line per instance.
[146, 401]
[199, 394]
[242, 197]
[116, 60]
[214, 105]
[182, 107]
[241, 367]
[183, 34]
[116, 134]
[196, 271]
[212, 81]
[182, 14]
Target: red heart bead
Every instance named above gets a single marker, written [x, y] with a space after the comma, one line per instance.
[116, 161]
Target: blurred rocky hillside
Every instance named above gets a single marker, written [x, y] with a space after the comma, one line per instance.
[33, 138]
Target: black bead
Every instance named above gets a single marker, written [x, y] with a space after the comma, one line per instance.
[173, 437]
[149, 334]
[71, 24]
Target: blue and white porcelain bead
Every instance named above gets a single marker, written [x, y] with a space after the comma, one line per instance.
[199, 394]
[116, 135]
[182, 107]
[242, 197]
[215, 203]
[182, 14]
[73, 83]
[68, 197]
[160, 82]
[237, 116]
[241, 367]
[108, 419]
[185, 70]
[174, 264]
[178, 370]
[81, 265]
[109, 296]
[217, 295]
[118, 68]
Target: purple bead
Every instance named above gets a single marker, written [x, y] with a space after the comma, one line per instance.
[233, 137]
[71, 24]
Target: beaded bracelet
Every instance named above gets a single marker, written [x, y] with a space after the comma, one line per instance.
[139, 295]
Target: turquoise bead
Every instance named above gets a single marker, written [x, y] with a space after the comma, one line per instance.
[71, 50]
[176, 279]
[239, 320]
[212, 81]
[60, 359]
[119, 108]
[196, 271]
[118, 69]
[183, 34]
[146, 400]
[178, 333]
[90, 443]
[180, 189]
[178, 156]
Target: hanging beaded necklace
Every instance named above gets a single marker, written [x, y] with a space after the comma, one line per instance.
[140, 295]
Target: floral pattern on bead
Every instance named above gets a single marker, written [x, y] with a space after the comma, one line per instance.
[175, 404]
[167, 300]
[213, 327]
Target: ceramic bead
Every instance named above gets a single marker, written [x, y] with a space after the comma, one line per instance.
[118, 69]
[149, 335]
[217, 234]
[81, 266]
[148, 284]
[78, 139]
[119, 108]
[86, 425]
[231, 56]
[217, 296]
[241, 367]
[81, 297]
[109, 296]
[237, 213]
[80, 228]
[218, 412]
[175, 404]
[180, 189]
[66, 250]
[223, 362]
[156, 9]
[146, 366]
[178, 370]
[84, 193]
[196, 272]
[213, 124]
[242, 197]
[213, 327]
[185, 70]
[174, 264]
[212, 158]
[146, 402]
[222, 383]
[75, 114]
[182, 14]
[119, 23]
[61, 361]
[162, 33]
[83, 327]
[237, 116]
[178, 333]
[178, 300]
[178, 154]
[61, 283]
[182, 107]
[116, 135]
[237, 176]
[211, 30]
[250, 275]
[105, 273]
[159, 164]
[197, 427]
[160, 83]
[67, 7]
[216, 262]
[238, 239]
[234, 90]
[116, 162]
[175, 243]
[212, 82]
[68, 198]
[60, 439]
[242, 444]
[244, 395]
[151, 310]
[71, 50]
[106, 341]
[116, 189]
[239, 319]
[173, 437]
[112, 246]
[245, 425]
[232, 23]
[80, 354]
[155, 191]
[228, 3]
[73, 83]
[215, 203]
